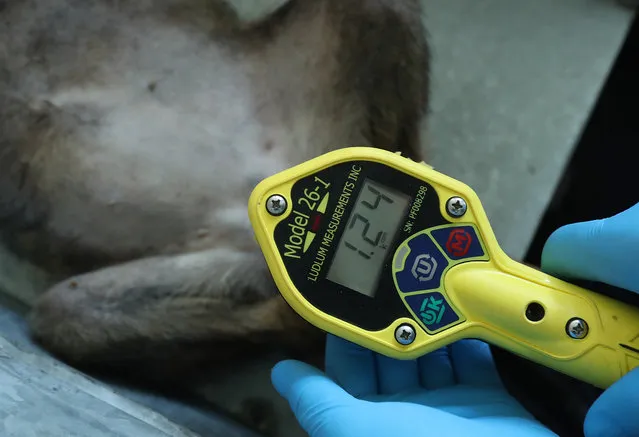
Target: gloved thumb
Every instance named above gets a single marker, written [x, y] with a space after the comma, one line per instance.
[312, 395]
[614, 413]
[603, 250]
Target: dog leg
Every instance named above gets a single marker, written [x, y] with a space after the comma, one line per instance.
[165, 317]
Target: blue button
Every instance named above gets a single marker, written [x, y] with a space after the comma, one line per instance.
[433, 310]
[458, 242]
[423, 266]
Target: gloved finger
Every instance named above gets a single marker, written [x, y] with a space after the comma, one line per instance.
[614, 413]
[473, 363]
[311, 395]
[395, 376]
[436, 370]
[351, 366]
[599, 250]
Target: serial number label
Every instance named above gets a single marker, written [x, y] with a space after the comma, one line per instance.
[414, 209]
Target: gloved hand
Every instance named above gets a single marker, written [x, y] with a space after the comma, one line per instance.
[454, 391]
[606, 251]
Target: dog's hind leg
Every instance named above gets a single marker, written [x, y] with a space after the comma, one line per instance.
[158, 318]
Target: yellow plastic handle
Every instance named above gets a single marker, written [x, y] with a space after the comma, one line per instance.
[489, 294]
[495, 301]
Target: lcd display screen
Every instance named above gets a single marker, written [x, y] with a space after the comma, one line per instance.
[370, 229]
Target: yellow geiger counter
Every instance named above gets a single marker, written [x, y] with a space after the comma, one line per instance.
[392, 255]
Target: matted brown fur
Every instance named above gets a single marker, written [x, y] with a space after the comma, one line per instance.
[131, 135]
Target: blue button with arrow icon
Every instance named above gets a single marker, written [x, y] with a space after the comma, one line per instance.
[423, 267]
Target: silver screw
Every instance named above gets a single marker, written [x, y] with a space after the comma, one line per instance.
[456, 206]
[577, 328]
[405, 334]
[276, 204]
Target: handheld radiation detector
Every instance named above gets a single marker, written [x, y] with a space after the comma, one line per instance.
[392, 255]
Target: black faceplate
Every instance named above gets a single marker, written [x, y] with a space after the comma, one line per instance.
[370, 313]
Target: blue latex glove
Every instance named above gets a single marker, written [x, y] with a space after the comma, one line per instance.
[456, 391]
[605, 251]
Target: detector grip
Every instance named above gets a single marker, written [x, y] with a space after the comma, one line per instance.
[495, 302]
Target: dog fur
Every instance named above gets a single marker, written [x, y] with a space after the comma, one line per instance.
[131, 135]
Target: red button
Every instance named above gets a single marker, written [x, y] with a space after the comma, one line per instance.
[459, 242]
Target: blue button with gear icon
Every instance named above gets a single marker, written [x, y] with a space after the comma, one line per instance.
[423, 267]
